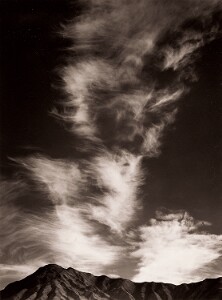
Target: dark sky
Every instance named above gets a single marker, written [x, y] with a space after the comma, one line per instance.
[187, 175]
[31, 50]
[189, 171]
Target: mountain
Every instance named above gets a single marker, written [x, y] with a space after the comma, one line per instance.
[55, 282]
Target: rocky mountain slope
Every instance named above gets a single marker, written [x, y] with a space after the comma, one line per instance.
[54, 282]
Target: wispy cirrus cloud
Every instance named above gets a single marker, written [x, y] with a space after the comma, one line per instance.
[176, 248]
[117, 103]
[113, 96]
[119, 178]
[101, 187]
[12, 272]
[63, 235]
[184, 50]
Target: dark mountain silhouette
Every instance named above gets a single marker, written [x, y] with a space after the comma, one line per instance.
[55, 282]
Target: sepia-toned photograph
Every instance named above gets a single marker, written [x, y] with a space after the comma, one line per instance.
[111, 149]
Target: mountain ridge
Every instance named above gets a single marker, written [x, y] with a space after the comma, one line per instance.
[55, 282]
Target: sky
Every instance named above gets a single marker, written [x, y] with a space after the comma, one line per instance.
[111, 140]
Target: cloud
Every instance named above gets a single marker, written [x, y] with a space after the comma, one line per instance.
[184, 51]
[102, 187]
[176, 248]
[119, 177]
[117, 102]
[113, 96]
[62, 235]
[11, 273]
[81, 197]
[80, 80]
[60, 180]
[165, 97]
[83, 247]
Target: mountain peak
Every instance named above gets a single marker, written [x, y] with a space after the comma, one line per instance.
[54, 282]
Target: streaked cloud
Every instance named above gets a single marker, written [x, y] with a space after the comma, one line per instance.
[176, 248]
[102, 187]
[80, 80]
[183, 51]
[113, 98]
[60, 180]
[119, 176]
[10, 273]
[63, 235]
[114, 101]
